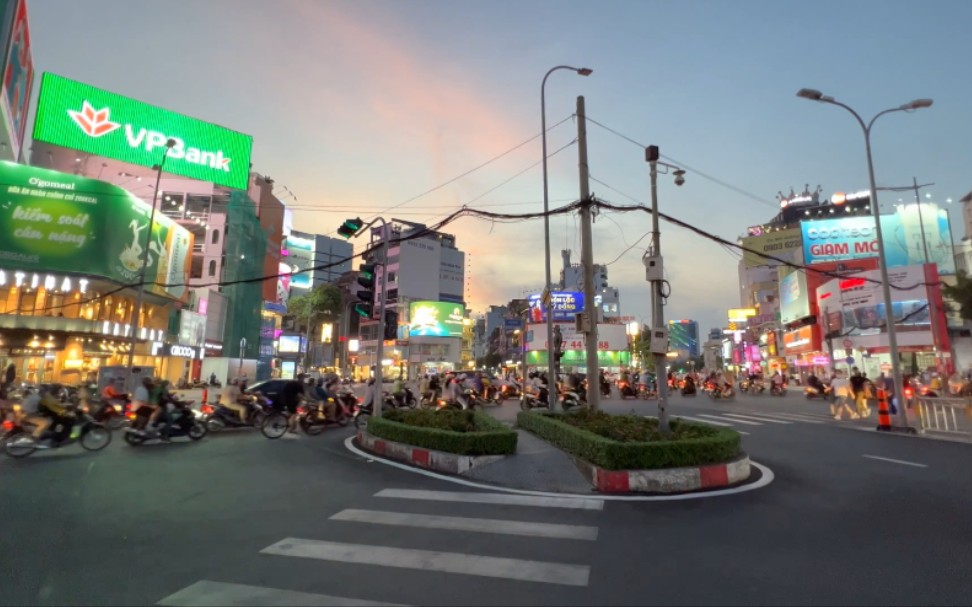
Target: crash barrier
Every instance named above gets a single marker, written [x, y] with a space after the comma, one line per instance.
[951, 416]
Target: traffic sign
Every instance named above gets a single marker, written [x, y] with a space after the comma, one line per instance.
[848, 344]
[849, 360]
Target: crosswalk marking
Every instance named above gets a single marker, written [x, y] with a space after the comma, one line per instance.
[506, 499]
[206, 593]
[758, 419]
[432, 560]
[705, 421]
[733, 420]
[480, 525]
[791, 416]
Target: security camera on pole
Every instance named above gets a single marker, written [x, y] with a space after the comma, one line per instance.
[655, 274]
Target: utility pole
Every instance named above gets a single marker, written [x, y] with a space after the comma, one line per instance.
[587, 261]
[379, 349]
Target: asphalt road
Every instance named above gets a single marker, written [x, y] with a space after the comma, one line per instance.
[239, 519]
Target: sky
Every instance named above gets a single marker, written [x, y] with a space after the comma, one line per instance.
[357, 107]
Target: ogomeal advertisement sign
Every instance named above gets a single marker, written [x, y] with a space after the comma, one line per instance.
[566, 305]
[783, 244]
[81, 117]
[56, 222]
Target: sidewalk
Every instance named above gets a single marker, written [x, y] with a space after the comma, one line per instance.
[537, 465]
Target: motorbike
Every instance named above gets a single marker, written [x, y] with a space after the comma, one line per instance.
[812, 393]
[605, 389]
[77, 427]
[217, 416]
[313, 420]
[112, 413]
[722, 393]
[778, 390]
[534, 399]
[184, 422]
[688, 388]
[625, 389]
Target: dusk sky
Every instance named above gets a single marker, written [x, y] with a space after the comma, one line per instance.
[359, 106]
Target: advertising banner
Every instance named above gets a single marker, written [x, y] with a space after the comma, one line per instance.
[610, 338]
[435, 319]
[81, 117]
[904, 239]
[18, 78]
[784, 244]
[794, 295]
[566, 305]
[855, 305]
[804, 339]
[56, 222]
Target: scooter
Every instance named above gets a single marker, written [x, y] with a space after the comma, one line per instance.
[534, 399]
[724, 393]
[313, 420]
[811, 393]
[217, 416]
[185, 421]
[626, 390]
[688, 388]
[778, 390]
[81, 428]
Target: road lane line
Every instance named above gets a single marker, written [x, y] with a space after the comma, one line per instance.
[504, 499]
[433, 560]
[703, 421]
[758, 419]
[458, 523]
[205, 593]
[733, 420]
[895, 461]
[792, 416]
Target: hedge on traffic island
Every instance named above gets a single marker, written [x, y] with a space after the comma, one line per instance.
[605, 440]
[459, 432]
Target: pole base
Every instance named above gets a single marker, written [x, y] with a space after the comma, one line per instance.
[898, 429]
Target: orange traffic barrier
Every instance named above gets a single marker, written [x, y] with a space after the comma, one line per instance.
[884, 412]
[205, 396]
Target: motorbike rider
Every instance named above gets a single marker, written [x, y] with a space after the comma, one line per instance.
[111, 393]
[40, 409]
[398, 391]
[230, 397]
[778, 381]
[325, 393]
[814, 382]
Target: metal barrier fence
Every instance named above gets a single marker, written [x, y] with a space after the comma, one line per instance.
[952, 416]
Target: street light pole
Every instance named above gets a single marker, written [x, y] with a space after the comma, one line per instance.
[551, 370]
[815, 95]
[137, 310]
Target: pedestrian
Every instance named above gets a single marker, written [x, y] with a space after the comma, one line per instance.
[859, 392]
[841, 389]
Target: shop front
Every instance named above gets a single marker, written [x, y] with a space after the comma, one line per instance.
[175, 362]
[802, 352]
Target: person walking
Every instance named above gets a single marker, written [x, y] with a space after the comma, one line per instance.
[859, 391]
[841, 389]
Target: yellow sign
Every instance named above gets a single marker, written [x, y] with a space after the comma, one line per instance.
[732, 326]
[741, 314]
[783, 244]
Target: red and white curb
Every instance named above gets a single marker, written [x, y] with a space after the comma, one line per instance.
[669, 480]
[424, 458]
[766, 477]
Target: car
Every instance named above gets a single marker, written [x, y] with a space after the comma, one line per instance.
[271, 389]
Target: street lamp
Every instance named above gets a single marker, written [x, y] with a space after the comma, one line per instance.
[917, 104]
[551, 367]
[137, 310]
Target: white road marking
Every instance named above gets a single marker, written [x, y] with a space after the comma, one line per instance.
[758, 419]
[733, 420]
[792, 416]
[895, 461]
[432, 560]
[705, 421]
[457, 523]
[205, 593]
[493, 498]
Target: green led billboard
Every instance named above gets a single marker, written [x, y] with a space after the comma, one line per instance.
[435, 319]
[81, 117]
[56, 222]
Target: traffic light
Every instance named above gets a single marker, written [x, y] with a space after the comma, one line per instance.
[350, 227]
[366, 278]
[391, 324]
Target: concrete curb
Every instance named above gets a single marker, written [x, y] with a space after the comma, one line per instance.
[429, 459]
[668, 480]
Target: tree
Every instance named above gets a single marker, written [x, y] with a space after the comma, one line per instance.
[961, 294]
[323, 300]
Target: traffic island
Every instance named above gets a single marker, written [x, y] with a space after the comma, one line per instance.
[445, 441]
[628, 454]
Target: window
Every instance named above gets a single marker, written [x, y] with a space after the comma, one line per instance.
[391, 277]
[215, 237]
[212, 267]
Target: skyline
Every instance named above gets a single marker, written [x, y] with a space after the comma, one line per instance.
[356, 107]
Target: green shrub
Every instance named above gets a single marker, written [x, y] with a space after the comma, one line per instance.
[625, 442]
[460, 432]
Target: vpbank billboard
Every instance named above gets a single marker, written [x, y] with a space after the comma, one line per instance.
[79, 116]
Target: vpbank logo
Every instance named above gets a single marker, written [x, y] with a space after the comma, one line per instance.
[94, 123]
[97, 123]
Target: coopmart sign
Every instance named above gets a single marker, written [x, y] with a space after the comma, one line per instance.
[81, 117]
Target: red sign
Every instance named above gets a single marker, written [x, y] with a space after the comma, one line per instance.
[804, 339]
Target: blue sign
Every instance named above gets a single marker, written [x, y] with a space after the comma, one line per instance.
[511, 324]
[906, 238]
[849, 360]
[566, 305]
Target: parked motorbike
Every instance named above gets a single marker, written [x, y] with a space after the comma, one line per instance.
[185, 421]
[80, 427]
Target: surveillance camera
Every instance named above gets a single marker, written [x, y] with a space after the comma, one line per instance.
[679, 177]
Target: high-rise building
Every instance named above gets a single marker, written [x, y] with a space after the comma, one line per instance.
[324, 258]
[683, 335]
[607, 299]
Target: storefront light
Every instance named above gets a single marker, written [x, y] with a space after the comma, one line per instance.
[83, 284]
[19, 278]
[49, 282]
[34, 281]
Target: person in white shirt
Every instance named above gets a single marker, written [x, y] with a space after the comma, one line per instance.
[842, 394]
[230, 398]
